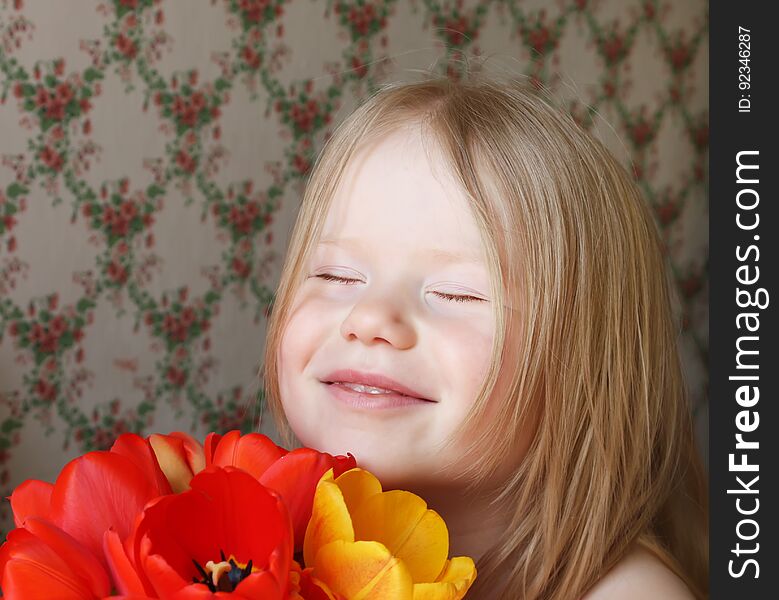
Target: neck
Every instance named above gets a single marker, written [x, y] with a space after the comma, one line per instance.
[474, 524]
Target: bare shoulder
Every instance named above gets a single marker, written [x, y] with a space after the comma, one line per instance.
[640, 576]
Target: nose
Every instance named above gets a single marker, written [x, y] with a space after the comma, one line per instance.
[376, 318]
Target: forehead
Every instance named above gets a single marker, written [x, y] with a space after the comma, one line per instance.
[398, 192]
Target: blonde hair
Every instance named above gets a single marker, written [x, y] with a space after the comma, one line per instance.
[574, 249]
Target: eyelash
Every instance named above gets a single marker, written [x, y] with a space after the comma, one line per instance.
[449, 297]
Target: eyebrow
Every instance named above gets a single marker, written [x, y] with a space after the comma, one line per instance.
[435, 253]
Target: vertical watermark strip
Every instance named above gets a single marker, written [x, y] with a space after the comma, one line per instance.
[744, 235]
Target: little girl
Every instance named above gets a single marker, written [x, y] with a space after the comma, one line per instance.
[474, 303]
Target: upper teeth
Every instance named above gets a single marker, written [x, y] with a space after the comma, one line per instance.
[358, 387]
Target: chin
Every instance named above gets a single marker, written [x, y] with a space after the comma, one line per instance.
[393, 471]
[382, 462]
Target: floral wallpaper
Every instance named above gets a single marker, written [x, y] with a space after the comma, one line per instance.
[153, 156]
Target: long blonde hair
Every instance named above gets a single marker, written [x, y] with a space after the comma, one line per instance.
[574, 249]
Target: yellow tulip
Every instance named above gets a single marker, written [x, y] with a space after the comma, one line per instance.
[365, 543]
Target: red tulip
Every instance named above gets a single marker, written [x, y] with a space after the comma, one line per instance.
[293, 474]
[57, 548]
[227, 533]
[94, 493]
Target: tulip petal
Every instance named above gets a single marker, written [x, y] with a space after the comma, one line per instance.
[295, 476]
[259, 585]
[357, 485]
[32, 498]
[172, 458]
[80, 560]
[225, 509]
[42, 561]
[361, 570]
[212, 441]
[140, 452]
[312, 588]
[253, 519]
[98, 491]
[252, 452]
[453, 583]
[194, 450]
[413, 533]
[122, 571]
[28, 581]
[166, 581]
[330, 519]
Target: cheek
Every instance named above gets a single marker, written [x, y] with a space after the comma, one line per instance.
[461, 358]
[301, 338]
[466, 354]
[304, 331]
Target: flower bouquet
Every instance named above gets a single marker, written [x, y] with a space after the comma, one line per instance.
[169, 517]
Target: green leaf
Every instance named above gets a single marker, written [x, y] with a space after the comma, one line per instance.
[155, 190]
[144, 408]
[91, 74]
[10, 424]
[16, 189]
[66, 340]
[84, 305]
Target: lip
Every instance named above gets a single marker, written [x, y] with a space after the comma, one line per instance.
[375, 380]
[372, 401]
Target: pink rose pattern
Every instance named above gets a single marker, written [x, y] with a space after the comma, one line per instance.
[54, 103]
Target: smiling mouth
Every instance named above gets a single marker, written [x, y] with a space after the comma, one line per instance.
[370, 390]
[356, 398]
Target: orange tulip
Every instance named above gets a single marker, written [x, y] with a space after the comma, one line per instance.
[363, 542]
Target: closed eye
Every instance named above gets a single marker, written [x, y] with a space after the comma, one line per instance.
[458, 298]
[449, 297]
[329, 277]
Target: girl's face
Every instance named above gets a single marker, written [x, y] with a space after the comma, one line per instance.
[414, 306]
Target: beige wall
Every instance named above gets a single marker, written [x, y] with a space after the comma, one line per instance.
[193, 120]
